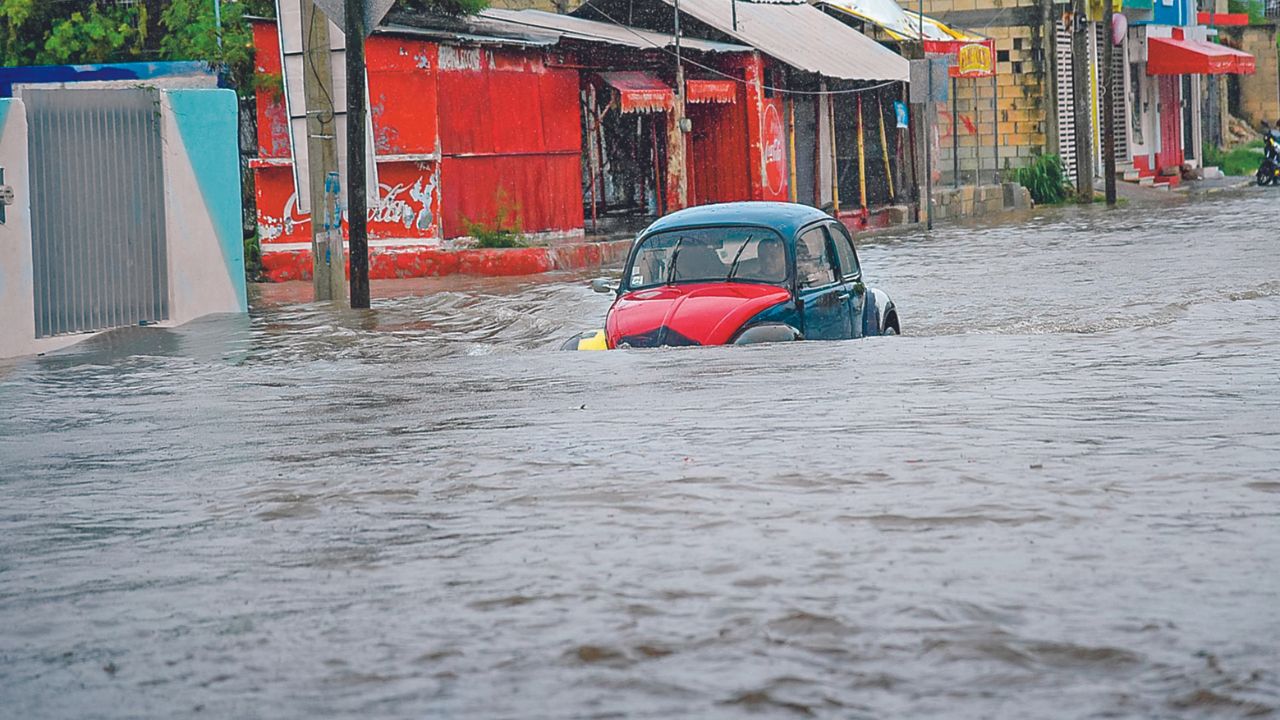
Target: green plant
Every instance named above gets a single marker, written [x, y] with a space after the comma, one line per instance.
[506, 229]
[1242, 160]
[253, 270]
[1045, 178]
[1255, 9]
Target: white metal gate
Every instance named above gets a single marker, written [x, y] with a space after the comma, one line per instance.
[1066, 99]
[97, 209]
[1119, 67]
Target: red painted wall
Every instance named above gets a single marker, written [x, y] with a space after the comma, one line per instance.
[479, 128]
[770, 176]
[402, 95]
[273, 123]
[718, 151]
[513, 146]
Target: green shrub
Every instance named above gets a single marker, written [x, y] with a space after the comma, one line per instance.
[1255, 9]
[1242, 160]
[253, 270]
[504, 232]
[493, 237]
[1045, 178]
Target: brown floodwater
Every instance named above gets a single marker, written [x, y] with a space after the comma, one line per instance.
[1056, 495]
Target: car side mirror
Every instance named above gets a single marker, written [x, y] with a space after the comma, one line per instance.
[602, 285]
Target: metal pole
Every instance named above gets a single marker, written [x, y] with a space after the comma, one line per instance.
[791, 144]
[734, 5]
[955, 137]
[862, 159]
[357, 202]
[884, 149]
[995, 120]
[1215, 115]
[1083, 115]
[217, 20]
[928, 129]
[1108, 106]
[835, 157]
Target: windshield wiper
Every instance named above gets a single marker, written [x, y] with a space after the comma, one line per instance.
[675, 254]
[733, 269]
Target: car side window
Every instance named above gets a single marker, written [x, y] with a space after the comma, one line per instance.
[813, 262]
[848, 258]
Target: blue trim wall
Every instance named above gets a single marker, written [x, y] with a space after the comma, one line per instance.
[44, 74]
[208, 122]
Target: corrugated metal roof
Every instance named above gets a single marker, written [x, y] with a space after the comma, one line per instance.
[576, 28]
[477, 30]
[801, 36]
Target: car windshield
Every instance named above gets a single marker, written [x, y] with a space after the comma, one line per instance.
[748, 254]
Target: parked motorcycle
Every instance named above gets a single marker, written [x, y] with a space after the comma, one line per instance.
[1269, 168]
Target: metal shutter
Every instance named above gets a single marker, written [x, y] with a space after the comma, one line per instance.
[1065, 95]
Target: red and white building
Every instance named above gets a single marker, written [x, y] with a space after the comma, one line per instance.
[549, 125]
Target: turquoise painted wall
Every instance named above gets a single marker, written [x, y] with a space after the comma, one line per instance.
[208, 121]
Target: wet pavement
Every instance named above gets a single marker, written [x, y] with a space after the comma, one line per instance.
[1057, 495]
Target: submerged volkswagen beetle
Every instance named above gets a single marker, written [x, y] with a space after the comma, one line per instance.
[739, 273]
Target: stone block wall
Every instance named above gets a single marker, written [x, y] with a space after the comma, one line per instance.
[1259, 92]
[975, 201]
[1023, 87]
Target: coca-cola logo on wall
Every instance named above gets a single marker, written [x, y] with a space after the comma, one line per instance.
[775, 151]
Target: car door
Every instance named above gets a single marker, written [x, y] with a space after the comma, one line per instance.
[850, 277]
[822, 295]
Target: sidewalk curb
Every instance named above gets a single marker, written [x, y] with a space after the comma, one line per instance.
[428, 261]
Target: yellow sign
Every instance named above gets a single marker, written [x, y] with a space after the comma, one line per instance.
[974, 59]
[1095, 8]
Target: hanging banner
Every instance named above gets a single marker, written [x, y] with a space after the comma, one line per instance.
[900, 111]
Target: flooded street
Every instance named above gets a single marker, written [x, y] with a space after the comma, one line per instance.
[1056, 495]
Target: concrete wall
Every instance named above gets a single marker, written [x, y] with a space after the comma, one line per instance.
[17, 307]
[970, 201]
[202, 216]
[1259, 92]
[202, 203]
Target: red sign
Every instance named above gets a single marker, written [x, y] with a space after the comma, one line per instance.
[775, 153]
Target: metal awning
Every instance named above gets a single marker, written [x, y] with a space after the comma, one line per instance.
[639, 91]
[801, 36]
[1179, 56]
[569, 27]
[896, 22]
[711, 91]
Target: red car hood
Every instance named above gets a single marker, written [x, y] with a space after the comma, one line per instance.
[693, 314]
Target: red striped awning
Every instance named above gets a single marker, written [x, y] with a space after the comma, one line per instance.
[1173, 56]
[711, 91]
[640, 91]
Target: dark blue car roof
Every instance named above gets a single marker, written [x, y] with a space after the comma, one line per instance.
[786, 218]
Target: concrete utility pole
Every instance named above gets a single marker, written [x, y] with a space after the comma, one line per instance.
[357, 201]
[1081, 82]
[928, 128]
[1108, 105]
[328, 277]
[677, 174]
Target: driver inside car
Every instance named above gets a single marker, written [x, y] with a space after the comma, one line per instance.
[773, 259]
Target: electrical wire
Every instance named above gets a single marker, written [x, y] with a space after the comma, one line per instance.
[309, 56]
[770, 88]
